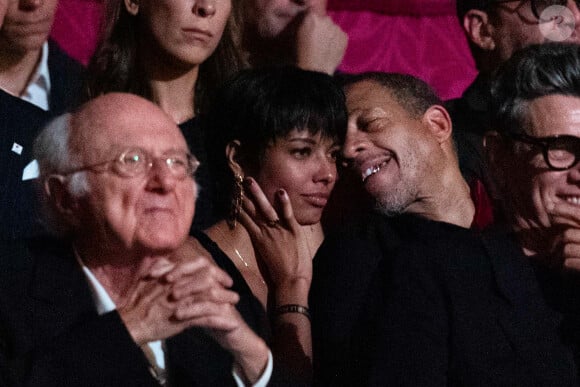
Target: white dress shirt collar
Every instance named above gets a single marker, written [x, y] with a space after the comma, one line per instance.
[37, 91]
[105, 304]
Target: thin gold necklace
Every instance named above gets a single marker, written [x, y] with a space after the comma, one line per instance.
[246, 264]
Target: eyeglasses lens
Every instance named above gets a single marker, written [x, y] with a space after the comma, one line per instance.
[563, 152]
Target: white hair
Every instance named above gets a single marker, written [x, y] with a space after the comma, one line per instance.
[51, 150]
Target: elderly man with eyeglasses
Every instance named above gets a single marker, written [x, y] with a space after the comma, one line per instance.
[495, 29]
[107, 303]
[501, 308]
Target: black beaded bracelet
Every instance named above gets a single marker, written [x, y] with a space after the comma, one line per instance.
[293, 308]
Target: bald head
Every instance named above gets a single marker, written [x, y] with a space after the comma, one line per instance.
[69, 139]
[98, 123]
[135, 169]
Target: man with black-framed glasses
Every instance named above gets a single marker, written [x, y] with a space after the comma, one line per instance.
[495, 29]
[534, 150]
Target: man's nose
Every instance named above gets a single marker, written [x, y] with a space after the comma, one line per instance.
[354, 142]
[30, 5]
[160, 177]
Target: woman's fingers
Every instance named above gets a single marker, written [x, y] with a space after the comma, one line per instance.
[260, 201]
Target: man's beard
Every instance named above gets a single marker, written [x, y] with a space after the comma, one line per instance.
[396, 200]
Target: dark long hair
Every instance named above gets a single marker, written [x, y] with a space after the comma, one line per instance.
[117, 65]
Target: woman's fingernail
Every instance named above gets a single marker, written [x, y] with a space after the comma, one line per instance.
[247, 182]
[281, 193]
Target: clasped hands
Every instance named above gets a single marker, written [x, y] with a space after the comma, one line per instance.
[191, 290]
[174, 295]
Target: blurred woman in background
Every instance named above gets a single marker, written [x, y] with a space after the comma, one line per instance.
[174, 53]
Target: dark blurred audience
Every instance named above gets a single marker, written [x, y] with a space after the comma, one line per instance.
[495, 30]
[37, 82]
[292, 32]
[175, 54]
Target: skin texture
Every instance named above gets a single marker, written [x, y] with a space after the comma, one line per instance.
[271, 17]
[417, 166]
[380, 130]
[151, 212]
[175, 38]
[26, 25]
[541, 200]
[305, 167]
[3, 6]
[295, 31]
[184, 31]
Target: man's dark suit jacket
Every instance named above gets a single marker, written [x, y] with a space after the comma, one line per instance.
[51, 335]
[438, 305]
[20, 122]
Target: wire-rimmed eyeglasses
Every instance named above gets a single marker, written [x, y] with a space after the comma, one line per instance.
[137, 162]
[560, 152]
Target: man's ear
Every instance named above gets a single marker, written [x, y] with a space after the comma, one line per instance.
[132, 6]
[439, 123]
[60, 198]
[479, 29]
[232, 154]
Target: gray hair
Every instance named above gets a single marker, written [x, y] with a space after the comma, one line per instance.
[534, 72]
[51, 150]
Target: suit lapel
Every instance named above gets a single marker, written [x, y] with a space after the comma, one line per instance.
[60, 293]
[529, 325]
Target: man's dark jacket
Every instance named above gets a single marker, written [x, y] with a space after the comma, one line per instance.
[413, 302]
[20, 122]
[51, 335]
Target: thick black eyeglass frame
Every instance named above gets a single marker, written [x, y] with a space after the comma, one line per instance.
[534, 4]
[544, 143]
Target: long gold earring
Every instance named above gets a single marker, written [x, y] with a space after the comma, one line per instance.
[237, 199]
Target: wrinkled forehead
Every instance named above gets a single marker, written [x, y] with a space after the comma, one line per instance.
[103, 130]
[368, 95]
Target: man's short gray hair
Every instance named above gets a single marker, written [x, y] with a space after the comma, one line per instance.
[52, 151]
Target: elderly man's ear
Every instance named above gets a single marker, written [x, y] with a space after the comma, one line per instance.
[59, 197]
[479, 29]
[439, 123]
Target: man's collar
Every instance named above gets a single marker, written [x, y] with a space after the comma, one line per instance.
[103, 301]
[37, 91]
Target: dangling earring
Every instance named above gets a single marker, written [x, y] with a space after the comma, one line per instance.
[237, 198]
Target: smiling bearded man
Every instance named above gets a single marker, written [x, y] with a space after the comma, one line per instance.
[399, 142]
